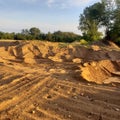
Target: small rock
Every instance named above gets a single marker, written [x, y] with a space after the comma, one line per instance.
[33, 112]
[59, 87]
[56, 104]
[75, 97]
[89, 98]
[77, 60]
[68, 92]
[85, 64]
[117, 109]
[52, 70]
[82, 94]
[114, 85]
[63, 71]
[93, 64]
[88, 84]
[69, 116]
[89, 116]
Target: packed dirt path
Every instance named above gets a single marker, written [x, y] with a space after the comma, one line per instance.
[56, 89]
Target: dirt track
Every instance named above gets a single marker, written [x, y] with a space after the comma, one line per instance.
[53, 90]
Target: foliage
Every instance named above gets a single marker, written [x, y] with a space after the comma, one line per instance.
[83, 42]
[7, 35]
[113, 33]
[108, 14]
[104, 14]
[34, 33]
[64, 37]
[90, 21]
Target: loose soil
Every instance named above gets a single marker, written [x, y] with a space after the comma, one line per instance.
[56, 81]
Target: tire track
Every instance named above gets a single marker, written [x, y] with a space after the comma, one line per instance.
[25, 97]
[23, 94]
[20, 82]
[38, 93]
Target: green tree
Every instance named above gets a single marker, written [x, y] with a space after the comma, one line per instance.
[25, 32]
[111, 19]
[108, 14]
[19, 36]
[7, 35]
[49, 36]
[35, 32]
[89, 22]
[1, 35]
[68, 37]
[115, 31]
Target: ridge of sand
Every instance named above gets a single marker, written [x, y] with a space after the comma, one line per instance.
[92, 60]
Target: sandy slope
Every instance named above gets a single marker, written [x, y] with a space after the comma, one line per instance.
[48, 81]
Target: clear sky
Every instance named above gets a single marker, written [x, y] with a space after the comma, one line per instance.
[47, 15]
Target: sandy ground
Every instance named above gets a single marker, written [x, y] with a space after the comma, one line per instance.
[51, 81]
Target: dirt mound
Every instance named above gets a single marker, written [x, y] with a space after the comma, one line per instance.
[100, 71]
[95, 63]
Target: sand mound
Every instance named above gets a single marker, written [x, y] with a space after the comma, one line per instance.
[95, 63]
[100, 71]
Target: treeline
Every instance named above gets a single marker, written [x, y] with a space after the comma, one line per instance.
[105, 15]
[35, 34]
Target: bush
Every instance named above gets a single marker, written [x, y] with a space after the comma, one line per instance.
[83, 42]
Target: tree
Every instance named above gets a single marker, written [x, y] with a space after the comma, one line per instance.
[115, 31]
[117, 16]
[34, 32]
[7, 35]
[25, 32]
[90, 21]
[19, 36]
[68, 37]
[108, 14]
[1, 35]
[49, 36]
[111, 19]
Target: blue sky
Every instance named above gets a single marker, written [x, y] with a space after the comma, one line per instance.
[47, 15]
